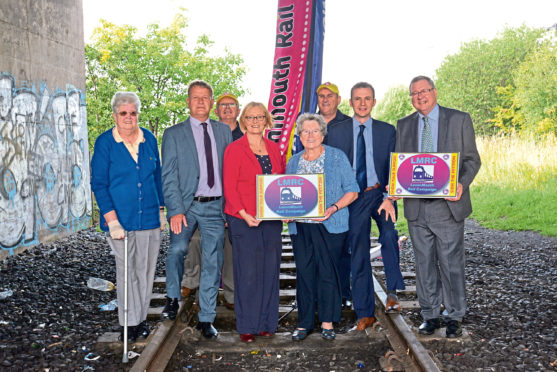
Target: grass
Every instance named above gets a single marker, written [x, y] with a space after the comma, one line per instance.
[516, 188]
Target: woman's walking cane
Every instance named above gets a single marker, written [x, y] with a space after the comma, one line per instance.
[125, 356]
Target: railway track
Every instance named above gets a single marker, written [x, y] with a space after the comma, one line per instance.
[406, 352]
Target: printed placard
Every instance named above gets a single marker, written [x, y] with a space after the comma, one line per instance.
[290, 196]
[423, 175]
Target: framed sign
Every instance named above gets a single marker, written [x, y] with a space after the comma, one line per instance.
[423, 175]
[290, 196]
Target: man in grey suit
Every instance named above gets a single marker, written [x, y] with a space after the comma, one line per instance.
[192, 155]
[437, 225]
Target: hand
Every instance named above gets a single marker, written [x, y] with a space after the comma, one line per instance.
[163, 219]
[116, 230]
[328, 213]
[176, 223]
[389, 209]
[393, 198]
[287, 221]
[459, 189]
[250, 220]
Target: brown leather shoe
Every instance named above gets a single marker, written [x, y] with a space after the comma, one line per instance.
[186, 291]
[392, 305]
[365, 322]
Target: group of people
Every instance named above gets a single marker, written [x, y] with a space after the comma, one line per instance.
[206, 180]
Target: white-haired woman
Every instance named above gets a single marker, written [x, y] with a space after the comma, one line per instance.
[318, 243]
[126, 180]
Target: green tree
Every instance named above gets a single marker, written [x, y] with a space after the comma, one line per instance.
[395, 105]
[158, 67]
[536, 88]
[468, 80]
[345, 107]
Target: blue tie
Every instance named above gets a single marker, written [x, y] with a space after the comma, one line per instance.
[361, 174]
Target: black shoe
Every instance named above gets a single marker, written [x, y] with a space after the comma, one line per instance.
[207, 330]
[132, 333]
[170, 309]
[454, 329]
[429, 326]
[346, 303]
[143, 330]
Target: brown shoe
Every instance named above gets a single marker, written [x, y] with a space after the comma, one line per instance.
[365, 322]
[229, 306]
[247, 337]
[186, 291]
[392, 305]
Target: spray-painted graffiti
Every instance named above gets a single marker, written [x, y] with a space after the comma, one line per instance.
[44, 163]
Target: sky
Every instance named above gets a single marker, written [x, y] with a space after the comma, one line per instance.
[385, 43]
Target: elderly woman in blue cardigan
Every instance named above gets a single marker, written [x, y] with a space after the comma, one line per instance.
[318, 243]
[126, 180]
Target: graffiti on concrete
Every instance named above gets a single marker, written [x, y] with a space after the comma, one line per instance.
[44, 163]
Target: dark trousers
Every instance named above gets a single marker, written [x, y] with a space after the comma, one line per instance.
[344, 271]
[317, 253]
[256, 253]
[361, 211]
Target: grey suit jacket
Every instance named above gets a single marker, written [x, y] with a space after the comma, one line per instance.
[456, 134]
[180, 164]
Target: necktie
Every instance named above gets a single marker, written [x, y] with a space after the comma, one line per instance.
[208, 156]
[361, 173]
[427, 140]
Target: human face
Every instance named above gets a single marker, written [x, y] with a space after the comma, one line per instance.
[328, 102]
[311, 135]
[362, 101]
[423, 102]
[200, 102]
[254, 125]
[227, 110]
[126, 124]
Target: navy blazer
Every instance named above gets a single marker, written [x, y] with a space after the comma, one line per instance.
[180, 164]
[341, 136]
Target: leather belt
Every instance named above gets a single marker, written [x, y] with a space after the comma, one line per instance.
[205, 199]
[376, 186]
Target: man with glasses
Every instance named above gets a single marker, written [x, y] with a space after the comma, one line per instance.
[192, 157]
[368, 143]
[227, 109]
[436, 226]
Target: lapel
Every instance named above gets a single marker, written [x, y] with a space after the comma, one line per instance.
[249, 154]
[376, 143]
[189, 143]
[350, 133]
[442, 130]
[413, 136]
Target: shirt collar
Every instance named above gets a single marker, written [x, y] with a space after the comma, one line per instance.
[433, 114]
[140, 138]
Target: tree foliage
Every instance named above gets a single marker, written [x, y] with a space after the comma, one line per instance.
[158, 67]
[395, 105]
[468, 80]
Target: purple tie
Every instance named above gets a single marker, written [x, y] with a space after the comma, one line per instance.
[208, 156]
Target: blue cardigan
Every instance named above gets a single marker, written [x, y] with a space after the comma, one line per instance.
[339, 179]
[133, 190]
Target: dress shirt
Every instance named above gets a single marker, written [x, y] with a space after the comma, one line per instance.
[368, 137]
[203, 189]
[433, 118]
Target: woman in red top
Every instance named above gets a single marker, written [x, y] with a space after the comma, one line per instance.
[256, 245]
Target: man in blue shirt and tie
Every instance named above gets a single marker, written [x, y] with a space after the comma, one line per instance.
[368, 144]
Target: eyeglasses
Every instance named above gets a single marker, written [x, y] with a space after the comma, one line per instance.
[227, 105]
[254, 118]
[125, 113]
[422, 92]
[315, 132]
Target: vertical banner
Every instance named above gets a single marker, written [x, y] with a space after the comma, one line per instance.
[297, 67]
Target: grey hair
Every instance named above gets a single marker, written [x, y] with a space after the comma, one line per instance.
[420, 78]
[362, 84]
[123, 98]
[201, 84]
[310, 117]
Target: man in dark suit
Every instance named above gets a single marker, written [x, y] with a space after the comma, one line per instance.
[368, 144]
[437, 225]
[192, 155]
